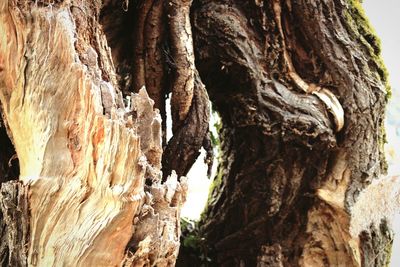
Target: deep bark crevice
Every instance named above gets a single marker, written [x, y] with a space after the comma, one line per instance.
[118, 25]
[151, 44]
[9, 165]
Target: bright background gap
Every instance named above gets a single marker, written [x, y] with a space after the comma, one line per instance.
[198, 182]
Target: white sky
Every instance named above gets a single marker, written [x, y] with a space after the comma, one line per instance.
[385, 18]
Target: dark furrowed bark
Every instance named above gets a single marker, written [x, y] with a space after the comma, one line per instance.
[280, 149]
[184, 147]
[14, 224]
[162, 60]
[181, 44]
[155, 59]
[357, 79]
[138, 44]
[118, 23]
[138, 66]
[190, 110]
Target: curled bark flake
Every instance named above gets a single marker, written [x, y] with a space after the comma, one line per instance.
[295, 116]
[264, 173]
[333, 106]
[182, 52]
[288, 61]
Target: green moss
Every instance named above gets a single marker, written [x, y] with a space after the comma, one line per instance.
[361, 27]
[193, 244]
[190, 234]
[216, 141]
[388, 252]
[387, 233]
[383, 140]
[212, 191]
[217, 128]
[216, 182]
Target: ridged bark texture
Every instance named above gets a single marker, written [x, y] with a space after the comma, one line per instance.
[289, 176]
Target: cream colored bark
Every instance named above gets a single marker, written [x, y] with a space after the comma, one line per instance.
[84, 155]
[329, 223]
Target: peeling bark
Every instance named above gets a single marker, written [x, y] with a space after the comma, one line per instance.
[157, 219]
[84, 155]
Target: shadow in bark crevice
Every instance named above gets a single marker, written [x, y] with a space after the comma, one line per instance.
[9, 164]
[118, 25]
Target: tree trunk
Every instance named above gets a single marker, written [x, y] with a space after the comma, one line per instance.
[84, 154]
[88, 177]
[293, 165]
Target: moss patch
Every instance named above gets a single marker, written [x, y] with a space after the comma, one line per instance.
[217, 180]
[388, 234]
[361, 27]
[193, 245]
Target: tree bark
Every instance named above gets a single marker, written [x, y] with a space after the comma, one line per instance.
[299, 86]
[290, 175]
[84, 154]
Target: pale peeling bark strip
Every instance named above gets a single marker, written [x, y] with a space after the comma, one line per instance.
[156, 221]
[378, 202]
[182, 52]
[330, 101]
[329, 222]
